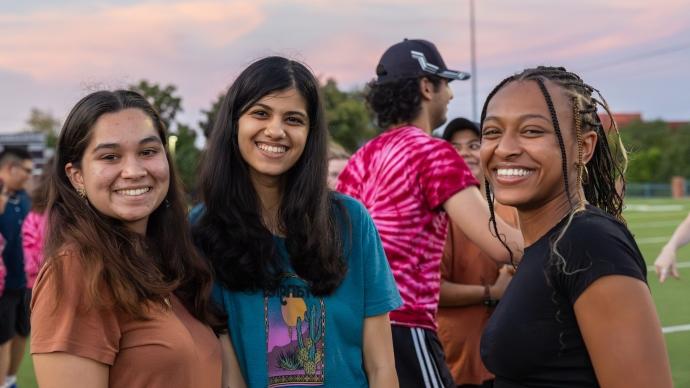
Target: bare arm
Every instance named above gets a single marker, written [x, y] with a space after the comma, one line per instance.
[622, 333]
[666, 262]
[379, 362]
[64, 370]
[470, 212]
[457, 294]
[232, 376]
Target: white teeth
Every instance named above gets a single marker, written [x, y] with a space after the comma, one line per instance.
[512, 172]
[272, 149]
[133, 192]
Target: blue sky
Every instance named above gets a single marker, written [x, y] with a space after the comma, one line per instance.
[54, 52]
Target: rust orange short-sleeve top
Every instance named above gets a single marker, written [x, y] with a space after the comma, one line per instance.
[171, 349]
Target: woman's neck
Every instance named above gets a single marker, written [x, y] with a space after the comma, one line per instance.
[536, 222]
[270, 193]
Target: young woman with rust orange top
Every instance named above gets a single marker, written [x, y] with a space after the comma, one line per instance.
[122, 299]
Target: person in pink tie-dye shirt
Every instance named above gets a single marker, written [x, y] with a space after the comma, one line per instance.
[408, 181]
[33, 229]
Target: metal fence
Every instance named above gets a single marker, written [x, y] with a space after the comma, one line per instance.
[633, 189]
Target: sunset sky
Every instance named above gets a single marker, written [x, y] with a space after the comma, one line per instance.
[54, 52]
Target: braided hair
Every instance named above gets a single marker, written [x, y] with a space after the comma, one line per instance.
[606, 167]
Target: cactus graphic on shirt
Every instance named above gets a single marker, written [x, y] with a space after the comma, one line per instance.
[309, 353]
[292, 308]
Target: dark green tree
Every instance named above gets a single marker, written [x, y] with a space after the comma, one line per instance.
[210, 115]
[656, 152]
[164, 98]
[186, 156]
[44, 122]
[348, 119]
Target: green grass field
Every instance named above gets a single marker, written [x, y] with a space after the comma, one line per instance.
[652, 226]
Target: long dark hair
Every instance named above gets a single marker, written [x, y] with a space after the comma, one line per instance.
[599, 176]
[39, 195]
[135, 269]
[231, 233]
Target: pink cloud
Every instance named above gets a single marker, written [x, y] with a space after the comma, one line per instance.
[50, 44]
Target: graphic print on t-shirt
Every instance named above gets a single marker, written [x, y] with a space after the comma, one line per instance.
[295, 323]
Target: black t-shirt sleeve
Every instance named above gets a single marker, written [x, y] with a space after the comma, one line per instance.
[594, 247]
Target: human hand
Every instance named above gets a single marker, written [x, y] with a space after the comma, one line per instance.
[505, 275]
[666, 264]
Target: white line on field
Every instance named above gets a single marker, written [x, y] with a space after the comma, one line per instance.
[658, 224]
[682, 264]
[652, 240]
[654, 208]
[675, 329]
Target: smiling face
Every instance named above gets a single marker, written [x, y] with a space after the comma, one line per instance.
[466, 142]
[272, 134]
[520, 154]
[124, 169]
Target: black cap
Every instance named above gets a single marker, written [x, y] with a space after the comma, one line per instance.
[460, 124]
[414, 58]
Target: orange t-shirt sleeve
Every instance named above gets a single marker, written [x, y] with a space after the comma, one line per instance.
[67, 325]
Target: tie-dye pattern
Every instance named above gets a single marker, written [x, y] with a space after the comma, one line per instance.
[403, 177]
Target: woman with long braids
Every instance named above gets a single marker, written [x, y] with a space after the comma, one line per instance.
[123, 299]
[578, 312]
[301, 270]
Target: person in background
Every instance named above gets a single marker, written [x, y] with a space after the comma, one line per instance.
[411, 183]
[300, 269]
[666, 263]
[471, 282]
[578, 312]
[337, 159]
[123, 298]
[33, 228]
[16, 167]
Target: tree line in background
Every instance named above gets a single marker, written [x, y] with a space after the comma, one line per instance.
[656, 151]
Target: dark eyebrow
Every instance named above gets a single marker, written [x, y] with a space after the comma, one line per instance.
[292, 112]
[522, 117]
[149, 139]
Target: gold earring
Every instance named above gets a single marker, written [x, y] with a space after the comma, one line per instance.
[81, 191]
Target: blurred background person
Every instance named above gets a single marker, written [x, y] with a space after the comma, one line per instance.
[411, 183]
[666, 263]
[33, 228]
[471, 282]
[16, 167]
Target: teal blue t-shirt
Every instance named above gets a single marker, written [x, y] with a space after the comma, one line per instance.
[290, 338]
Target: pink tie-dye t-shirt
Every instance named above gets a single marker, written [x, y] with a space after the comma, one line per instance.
[403, 177]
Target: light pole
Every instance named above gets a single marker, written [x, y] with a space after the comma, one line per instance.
[473, 56]
[172, 142]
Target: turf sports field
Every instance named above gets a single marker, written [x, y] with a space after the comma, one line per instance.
[652, 221]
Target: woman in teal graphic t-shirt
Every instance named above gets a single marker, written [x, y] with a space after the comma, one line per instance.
[300, 270]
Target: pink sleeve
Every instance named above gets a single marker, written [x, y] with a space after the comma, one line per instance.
[32, 241]
[3, 273]
[443, 173]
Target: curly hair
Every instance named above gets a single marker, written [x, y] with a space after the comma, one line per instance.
[398, 101]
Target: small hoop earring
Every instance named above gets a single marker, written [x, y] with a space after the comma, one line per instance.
[81, 191]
